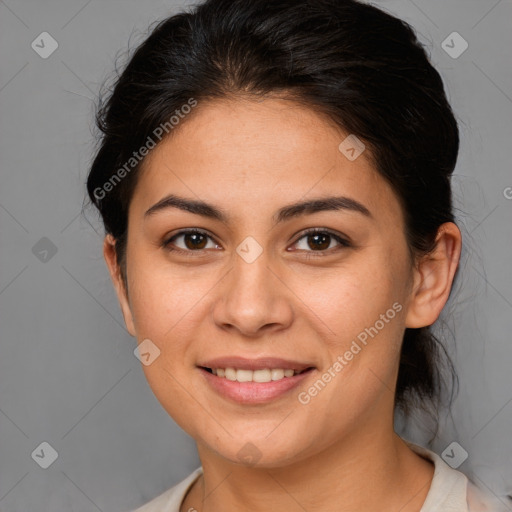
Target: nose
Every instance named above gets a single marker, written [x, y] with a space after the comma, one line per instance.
[253, 299]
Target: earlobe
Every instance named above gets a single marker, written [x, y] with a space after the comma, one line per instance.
[434, 278]
[109, 253]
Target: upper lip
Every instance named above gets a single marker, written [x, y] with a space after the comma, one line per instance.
[259, 363]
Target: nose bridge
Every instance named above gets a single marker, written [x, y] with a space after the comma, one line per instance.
[250, 281]
[251, 296]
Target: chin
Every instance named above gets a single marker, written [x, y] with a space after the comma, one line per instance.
[260, 451]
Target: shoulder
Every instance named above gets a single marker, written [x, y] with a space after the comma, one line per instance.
[480, 500]
[170, 500]
[452, 491]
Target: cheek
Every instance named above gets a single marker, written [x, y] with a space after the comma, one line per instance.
[363, 306]
[352, 298]
[162, 299]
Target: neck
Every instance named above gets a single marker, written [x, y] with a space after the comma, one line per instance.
[364, 471]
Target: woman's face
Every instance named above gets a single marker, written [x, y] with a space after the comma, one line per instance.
[256, 285]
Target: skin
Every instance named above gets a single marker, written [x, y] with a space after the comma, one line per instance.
[250, 158]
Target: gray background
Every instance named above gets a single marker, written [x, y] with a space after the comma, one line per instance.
[68, 375]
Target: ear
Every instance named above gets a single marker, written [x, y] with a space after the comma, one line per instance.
[109, 253]
[433, 278]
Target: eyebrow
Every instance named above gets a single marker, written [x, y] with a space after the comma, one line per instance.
[333, 203]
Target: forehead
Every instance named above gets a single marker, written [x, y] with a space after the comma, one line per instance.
[249, 154]
[244, 134]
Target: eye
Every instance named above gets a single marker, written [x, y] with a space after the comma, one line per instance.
[320, 240]
[194, 240]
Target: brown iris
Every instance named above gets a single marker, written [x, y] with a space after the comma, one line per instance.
[195, 243]
[324, 239]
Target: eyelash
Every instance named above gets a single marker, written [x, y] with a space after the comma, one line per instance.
[343, 242]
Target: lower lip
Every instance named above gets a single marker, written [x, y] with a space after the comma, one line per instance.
[254, 392]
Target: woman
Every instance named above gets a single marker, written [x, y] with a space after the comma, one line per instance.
[274, 181]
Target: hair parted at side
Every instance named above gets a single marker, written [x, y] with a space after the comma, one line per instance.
[358, 65]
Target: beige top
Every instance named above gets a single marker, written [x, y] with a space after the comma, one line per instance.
[450, 491]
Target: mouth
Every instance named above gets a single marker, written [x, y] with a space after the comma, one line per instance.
[261, 375]
[249, 380]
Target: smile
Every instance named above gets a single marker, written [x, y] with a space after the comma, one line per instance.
[263, 375]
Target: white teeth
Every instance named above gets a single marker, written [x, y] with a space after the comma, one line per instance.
[264, 375]
[230, 374]
[277, 374]
[244, 375]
